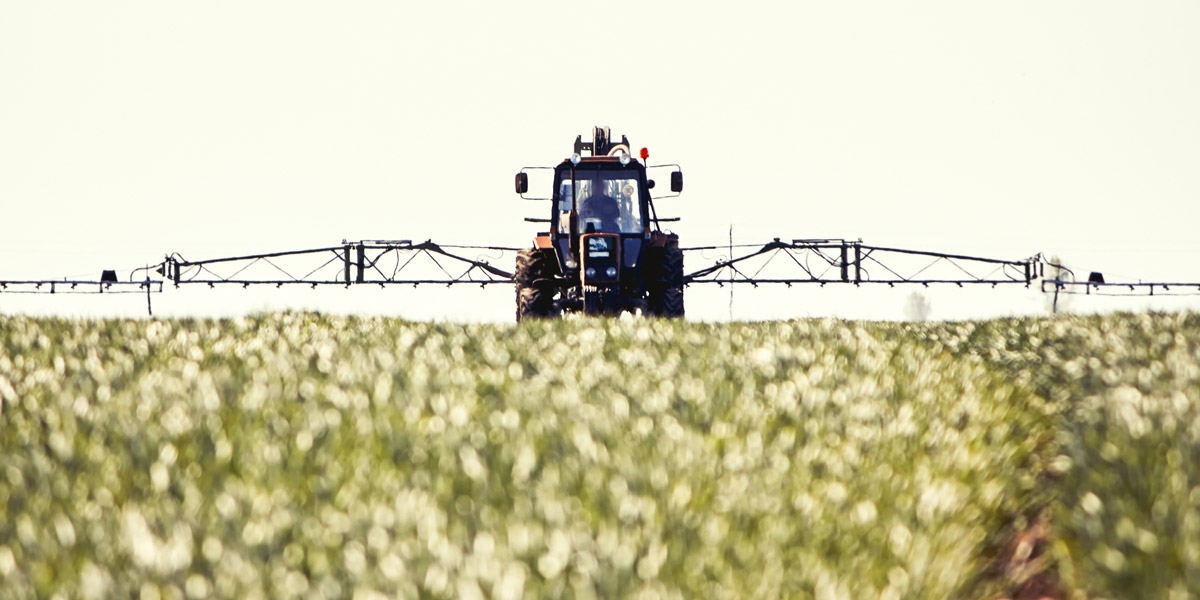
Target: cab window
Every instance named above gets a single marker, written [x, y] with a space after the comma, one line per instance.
[608, 201]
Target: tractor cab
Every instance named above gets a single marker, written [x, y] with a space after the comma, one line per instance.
[605, 200]
[607, 189]
[599, 196]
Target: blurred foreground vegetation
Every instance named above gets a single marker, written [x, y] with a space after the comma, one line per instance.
[302, 455]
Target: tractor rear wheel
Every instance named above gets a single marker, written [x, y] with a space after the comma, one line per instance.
[664, 281]
[535, 289]
[672, 298]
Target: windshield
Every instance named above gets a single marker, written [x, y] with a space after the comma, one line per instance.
[608, 201]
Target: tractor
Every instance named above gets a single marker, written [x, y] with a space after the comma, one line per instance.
[605, 252]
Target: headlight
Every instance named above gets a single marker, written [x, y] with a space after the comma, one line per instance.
[571, 264]
[589, 272]
[611, 272]
[575, 158]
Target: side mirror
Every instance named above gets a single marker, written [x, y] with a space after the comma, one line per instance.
[649, 184]
[522, 183]
[677, 181]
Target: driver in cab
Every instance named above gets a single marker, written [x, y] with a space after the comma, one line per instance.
[599, 211]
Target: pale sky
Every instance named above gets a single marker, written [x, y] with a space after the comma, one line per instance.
[131, 129]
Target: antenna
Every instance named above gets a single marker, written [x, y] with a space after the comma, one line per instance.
[731, 273]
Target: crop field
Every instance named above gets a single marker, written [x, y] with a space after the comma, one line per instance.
[304, 455]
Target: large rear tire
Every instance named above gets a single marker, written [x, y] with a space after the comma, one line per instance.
[664, 281]
[535, 288]
[672, 300]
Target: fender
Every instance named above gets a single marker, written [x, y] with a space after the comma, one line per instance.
[659, 239]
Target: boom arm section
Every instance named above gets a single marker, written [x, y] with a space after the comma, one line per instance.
[380, 262]
[841, 261]
[79, 286]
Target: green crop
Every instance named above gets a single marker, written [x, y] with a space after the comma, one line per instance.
[1127, 518]
[300, 455]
